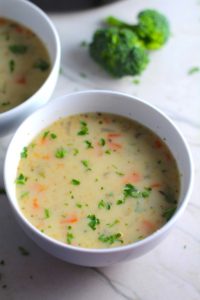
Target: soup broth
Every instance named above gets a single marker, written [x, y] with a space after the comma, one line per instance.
[24, 64]
[97, 180]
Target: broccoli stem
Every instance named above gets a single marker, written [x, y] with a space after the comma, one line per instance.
[113, 21]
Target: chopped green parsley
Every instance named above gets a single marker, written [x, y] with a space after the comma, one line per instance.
[75, 182]
[88, 144]
[21, 179]
[84, 128]
[94, 221]
[60, 152]
[24, 153]
[110, 239]
[18, 49]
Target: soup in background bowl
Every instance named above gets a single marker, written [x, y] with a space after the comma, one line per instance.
[30, 16]
[107, 132]
[24, 14]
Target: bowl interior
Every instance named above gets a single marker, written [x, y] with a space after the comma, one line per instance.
[98, 101]
[32, 17]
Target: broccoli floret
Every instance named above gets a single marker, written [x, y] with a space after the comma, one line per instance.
[118, 51]
[153, 28]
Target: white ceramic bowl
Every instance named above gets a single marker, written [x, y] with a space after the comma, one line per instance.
[28, 14]
[98, 101]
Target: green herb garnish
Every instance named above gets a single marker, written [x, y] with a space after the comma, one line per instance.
[85, 163]
[193, 70]
[53, 136]
[110, 239]
[88, 144]
[41, 64]
[75, 151]
[104, 204]
[60, 153]
[113, 223]
[45, 134]
[102, 142]
[21, 179]
[108, 152]
[75, 182]
[84, 128]
[168, 213]
[24, 153]
[78, 205]
[46, 213]
[5, 103]
[18, 49]
[23, 251]
[93, 221]
[11, 65]
[24, 194]
[70, 237]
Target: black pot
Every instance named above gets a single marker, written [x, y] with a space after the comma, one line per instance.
[68, 5]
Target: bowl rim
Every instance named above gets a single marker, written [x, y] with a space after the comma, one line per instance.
[19, 108]
[122, 248]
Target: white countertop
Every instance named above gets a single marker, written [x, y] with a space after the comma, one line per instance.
[172, 269]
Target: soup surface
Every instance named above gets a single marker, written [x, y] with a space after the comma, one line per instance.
[97, 180]
[24, 64]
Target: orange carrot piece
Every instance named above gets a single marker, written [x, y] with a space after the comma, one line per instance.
[114, 135]
[35, 203]
[132, 178]
[155, 185]
[38, 187]
[69, 220]
[46, 157]
[148, 226]
[21, 80]
[158, 144]
[114, 146]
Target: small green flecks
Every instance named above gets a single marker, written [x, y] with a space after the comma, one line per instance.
[53, 136]
[75, 182]
[70, 237]
[45, 134]
[108, 152]
[119, 173]
[23, 195]
[136, 81]
[84, 128]
[24, 153]
[88, 144]
[23, 251]
[94, 221]
[41, 65]
[78, 205]
[21, 179]
[11, 65]
[60, 153]
[102, 142]
[110, 239]
[46, 213]
[193, 70]
[85, 163]
[5, 103]
[18, 49]
[75, 151]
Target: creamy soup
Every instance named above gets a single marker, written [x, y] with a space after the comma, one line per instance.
[24, 64]
[97, 180]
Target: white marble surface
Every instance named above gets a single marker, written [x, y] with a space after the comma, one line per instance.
[172, 270]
